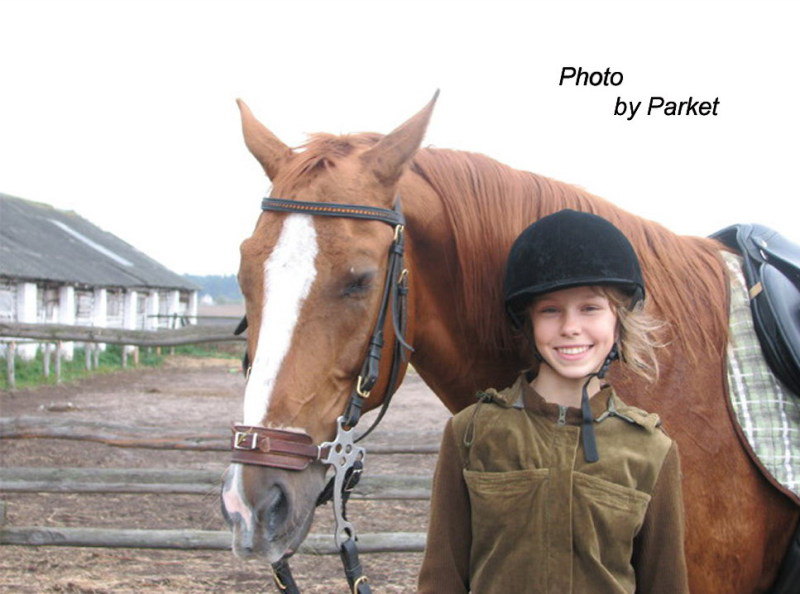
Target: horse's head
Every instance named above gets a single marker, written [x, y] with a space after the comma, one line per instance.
[313, 287]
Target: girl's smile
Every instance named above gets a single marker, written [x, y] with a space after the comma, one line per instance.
[572, 352]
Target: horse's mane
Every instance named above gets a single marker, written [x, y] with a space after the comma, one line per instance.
[489, 204]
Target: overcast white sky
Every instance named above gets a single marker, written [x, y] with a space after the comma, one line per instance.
[125, 111]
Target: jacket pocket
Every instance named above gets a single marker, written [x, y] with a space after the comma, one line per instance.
[508, 528]
[607, 518]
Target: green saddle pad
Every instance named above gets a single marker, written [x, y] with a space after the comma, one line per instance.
[768, 414]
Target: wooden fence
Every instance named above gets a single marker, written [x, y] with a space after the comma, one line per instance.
[192, 482]
[89, 480]
[56, 334]
[209, 439]
[179, 481]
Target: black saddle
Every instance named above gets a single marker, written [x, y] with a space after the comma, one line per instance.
[772, 271]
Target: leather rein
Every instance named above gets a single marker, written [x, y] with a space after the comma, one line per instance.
[295, 450]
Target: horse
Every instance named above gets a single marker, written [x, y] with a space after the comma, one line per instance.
[313, 284]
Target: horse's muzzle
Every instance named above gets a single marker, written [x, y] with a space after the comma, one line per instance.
[270, 510]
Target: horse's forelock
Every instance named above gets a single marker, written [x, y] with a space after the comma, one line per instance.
[489, 204]
[320, 152]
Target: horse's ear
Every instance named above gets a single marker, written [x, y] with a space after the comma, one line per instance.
[263, 144]
[388, 158]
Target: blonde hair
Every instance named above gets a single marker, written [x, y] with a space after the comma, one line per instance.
[638, 334]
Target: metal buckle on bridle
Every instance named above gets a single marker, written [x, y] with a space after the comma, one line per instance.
[240, 437]
[276, 578]
[362, 580]
[359, 390]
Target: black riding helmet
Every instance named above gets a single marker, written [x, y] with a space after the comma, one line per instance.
[571, 249]
[568, 249]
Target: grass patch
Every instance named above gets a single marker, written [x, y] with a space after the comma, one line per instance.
[30, 374]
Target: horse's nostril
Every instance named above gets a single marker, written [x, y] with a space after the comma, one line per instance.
[274, 509]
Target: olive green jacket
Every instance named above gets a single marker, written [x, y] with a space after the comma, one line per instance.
[516, 508]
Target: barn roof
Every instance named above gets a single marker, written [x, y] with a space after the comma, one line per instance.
[39, 242]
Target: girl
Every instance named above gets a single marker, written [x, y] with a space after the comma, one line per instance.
[554, 484]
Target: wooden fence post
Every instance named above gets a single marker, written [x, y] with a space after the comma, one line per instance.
[11, 351]
[46, 359]
[58, 362]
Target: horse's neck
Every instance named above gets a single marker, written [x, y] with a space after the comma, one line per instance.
[448, 354]
[688, 287]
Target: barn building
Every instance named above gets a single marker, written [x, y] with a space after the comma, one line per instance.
[57, 267]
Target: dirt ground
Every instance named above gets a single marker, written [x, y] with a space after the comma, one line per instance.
[185, 394]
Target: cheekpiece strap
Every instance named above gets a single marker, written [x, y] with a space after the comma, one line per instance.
[331, 209]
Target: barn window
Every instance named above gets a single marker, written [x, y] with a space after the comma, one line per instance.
[114, 308]
[84, 301]
[141, 310]
[47, 304]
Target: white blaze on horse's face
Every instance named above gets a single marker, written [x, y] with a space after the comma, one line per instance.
[289, 273]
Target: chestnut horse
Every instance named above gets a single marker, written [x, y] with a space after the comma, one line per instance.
[313, 284]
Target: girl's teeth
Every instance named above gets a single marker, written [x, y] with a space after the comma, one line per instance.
[573, 350]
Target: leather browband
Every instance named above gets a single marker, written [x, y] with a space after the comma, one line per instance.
[333, 209]
[277, 448]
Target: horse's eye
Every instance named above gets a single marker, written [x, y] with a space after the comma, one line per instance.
[359, 285]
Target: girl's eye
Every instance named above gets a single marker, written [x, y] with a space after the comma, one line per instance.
[594, 308]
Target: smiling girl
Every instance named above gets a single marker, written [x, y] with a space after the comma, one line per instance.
[554, 484]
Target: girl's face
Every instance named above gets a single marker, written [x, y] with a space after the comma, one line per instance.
[574, 330]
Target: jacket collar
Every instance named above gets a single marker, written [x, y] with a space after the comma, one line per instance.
[524, 396]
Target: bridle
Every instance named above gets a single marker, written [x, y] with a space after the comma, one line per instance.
[295, 450]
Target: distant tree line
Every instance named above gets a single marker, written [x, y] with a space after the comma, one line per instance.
[223, 288]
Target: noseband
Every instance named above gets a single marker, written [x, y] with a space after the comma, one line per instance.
[295, 450]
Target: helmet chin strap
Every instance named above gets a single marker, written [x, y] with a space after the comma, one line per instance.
[587, 430]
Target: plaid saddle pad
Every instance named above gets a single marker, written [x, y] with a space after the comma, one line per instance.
[768, 414]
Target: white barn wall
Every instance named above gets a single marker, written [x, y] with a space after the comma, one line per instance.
[152, 307]
[26, 312]
[66, 315]
[8, 305]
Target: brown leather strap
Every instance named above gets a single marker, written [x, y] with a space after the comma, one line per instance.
[292, 450]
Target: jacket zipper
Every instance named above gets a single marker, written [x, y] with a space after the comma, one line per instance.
[562, 415]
